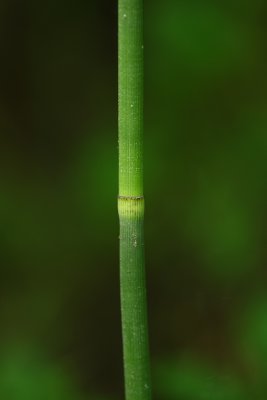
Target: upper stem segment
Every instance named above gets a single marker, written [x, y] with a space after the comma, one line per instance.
[130, 97]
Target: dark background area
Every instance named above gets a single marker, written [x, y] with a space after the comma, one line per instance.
[205, 188]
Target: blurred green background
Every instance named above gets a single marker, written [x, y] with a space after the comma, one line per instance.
[205, 187]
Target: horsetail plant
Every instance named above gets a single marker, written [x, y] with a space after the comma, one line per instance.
[131, 202]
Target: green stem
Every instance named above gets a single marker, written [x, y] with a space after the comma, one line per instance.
[131, 202]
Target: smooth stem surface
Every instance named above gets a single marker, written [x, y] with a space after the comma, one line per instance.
[131, 202]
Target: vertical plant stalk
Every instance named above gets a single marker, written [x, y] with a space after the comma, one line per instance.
[131, 202]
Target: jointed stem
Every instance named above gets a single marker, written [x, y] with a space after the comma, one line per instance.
[131, 202]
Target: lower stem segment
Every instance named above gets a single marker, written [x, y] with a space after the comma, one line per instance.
[133, 299]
